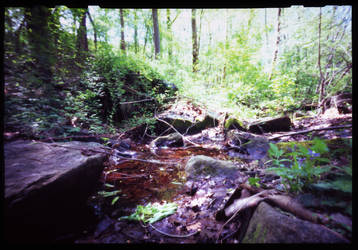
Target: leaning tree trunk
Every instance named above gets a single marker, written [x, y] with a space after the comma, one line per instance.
[156, 37]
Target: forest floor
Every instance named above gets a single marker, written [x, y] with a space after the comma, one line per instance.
[147, 176]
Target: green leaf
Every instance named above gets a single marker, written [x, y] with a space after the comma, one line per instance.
[319, 146]
[152, 213]
[108, 194]
[115, 199]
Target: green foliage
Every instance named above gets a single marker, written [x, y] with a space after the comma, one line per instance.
[254, 181]
[304, 165]
[152, 212]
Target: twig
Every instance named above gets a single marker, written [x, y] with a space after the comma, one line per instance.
[310, 130]
[174, 235]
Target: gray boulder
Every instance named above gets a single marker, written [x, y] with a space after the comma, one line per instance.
[201, 165]
[47, 185]
[269, 225]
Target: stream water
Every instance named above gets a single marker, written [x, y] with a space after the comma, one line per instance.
[143, 175]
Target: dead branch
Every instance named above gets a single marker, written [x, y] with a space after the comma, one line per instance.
[309, 130]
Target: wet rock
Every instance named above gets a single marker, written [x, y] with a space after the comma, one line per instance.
[271, 125]
[268, 225]
[47, 184]
[171, 140]
[201, 165]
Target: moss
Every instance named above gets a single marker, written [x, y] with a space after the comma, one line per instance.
[232, 123]
[258, 235]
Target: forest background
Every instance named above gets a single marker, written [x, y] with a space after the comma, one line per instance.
[67, 70]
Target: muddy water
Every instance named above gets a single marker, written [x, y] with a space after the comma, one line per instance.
[151, 175]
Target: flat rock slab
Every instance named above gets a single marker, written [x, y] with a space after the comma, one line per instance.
[269, 225]
[46, 182]
[271, 125]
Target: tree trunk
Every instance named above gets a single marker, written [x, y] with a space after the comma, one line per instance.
[156, 37]
[277, 43]
[82, 42]
[169, 28]
[40, 44]
[94, 30]
[195, 40]
[123, 43]
[321, 77]
[135, 32]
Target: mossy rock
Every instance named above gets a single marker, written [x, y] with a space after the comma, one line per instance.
[233, 123]
[201, 165]
[270, 225]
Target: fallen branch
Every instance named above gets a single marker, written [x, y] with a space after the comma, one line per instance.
[310, 130]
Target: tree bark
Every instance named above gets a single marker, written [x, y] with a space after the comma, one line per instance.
[194, 40]
[94, 30]
[123, 43]
[156, 36]
[277, 42]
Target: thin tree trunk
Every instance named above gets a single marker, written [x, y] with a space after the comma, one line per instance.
[156, 36]
[194, 40]
[266, 27]
[123, 43]
[135, 32]
[169, 27]
[277, 43]
[321, 77]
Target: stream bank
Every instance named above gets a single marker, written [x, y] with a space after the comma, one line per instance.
[136, 172]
